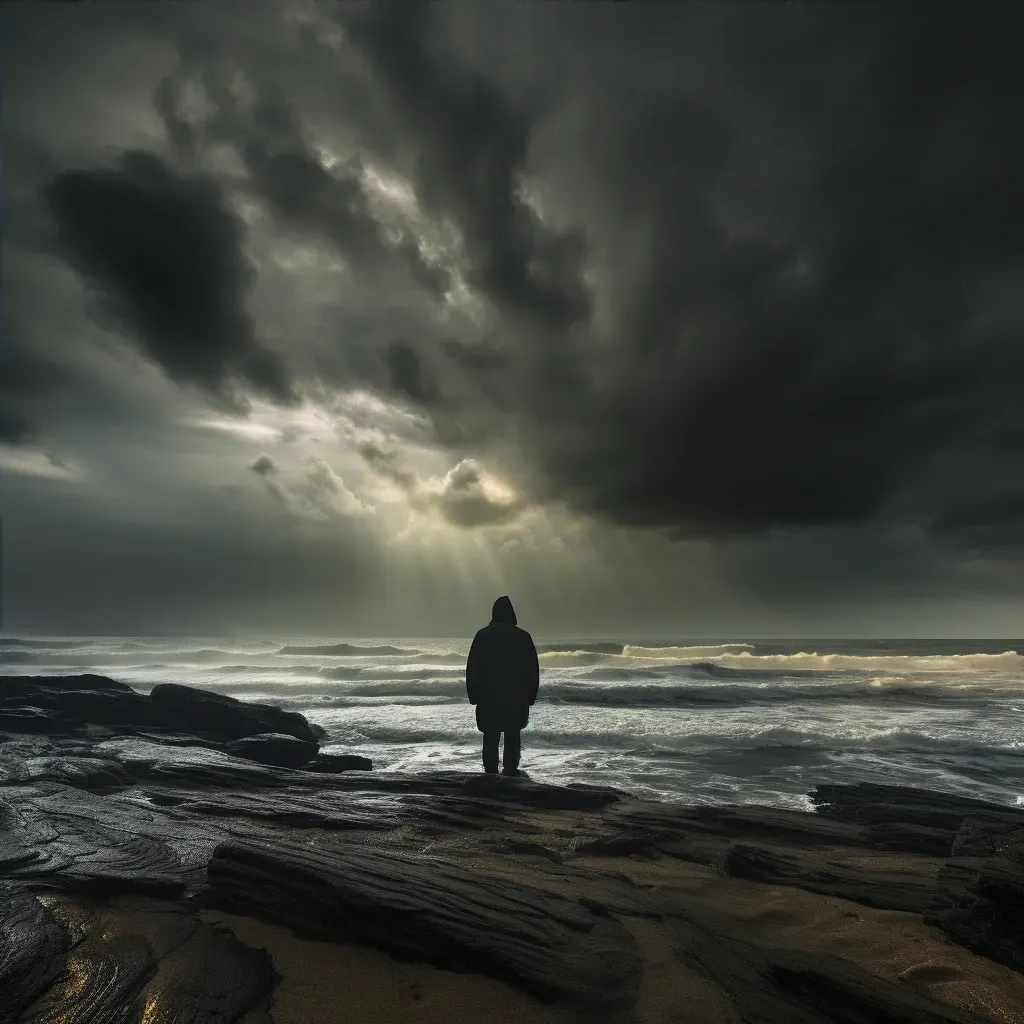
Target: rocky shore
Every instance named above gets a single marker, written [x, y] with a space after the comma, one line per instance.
[182, 856]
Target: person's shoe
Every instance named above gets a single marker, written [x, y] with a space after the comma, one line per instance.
[514, 772]
[491, 771]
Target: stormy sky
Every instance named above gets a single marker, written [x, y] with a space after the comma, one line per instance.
[664, 319]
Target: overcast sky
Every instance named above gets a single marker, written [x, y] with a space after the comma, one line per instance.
[674, 319]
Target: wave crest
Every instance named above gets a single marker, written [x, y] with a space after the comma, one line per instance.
[344, 650]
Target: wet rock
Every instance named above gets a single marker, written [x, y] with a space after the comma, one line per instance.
[123, 962]
[81, 842]
[293, 809]
[204, 767]
[59, 704]
[979, 902]
[557, 948]
[893, 835]
[20, 687]
[532, 849]
[622, 844]
[801, 987]
[99, 775]
[31, 944]
[980, 835]
[533, 794]
[32, 720]
[901, 805]
[886, 889]
[72, 702]
[275, 748]
[778, 823]
[200, 711]
[333, 763]
[703, 834]
[845, 992]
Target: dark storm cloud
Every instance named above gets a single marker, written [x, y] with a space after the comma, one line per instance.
[13, 427]
[289, 176]
[27, 378]
[332, 203]
[470, 146]
[407, 373]
[19, 374]
[264, 465]
[796, 213]
[743, 267]
[165, 255]
[997, 522]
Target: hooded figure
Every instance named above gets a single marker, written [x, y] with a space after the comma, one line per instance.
[502, 679]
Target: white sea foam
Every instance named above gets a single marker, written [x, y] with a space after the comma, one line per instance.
[739, 721]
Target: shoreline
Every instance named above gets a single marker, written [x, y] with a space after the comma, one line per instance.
[148, 856]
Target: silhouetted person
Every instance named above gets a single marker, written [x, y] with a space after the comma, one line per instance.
[502, 679]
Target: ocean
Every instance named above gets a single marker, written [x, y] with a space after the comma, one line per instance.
[700, 722]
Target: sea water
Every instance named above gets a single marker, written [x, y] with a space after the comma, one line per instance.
[702, 722]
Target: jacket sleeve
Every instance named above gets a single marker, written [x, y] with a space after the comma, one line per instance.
[533, 669]
[475, 669]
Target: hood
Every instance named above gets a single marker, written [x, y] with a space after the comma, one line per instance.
[503, 611]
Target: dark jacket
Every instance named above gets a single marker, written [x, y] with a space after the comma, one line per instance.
[502, 672]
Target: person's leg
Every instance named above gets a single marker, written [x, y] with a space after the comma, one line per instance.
[512, 751]
[491, 738]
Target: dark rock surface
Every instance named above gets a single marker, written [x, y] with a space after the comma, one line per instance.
[201, 711]
[850, 995]
[128, 961]
[105, 793]
[32, 944]
[66, 703]
[982, 835]
[30, 719]
[277, 749]
[806, 987]
[528, 793]
[895, 810]
[979, 901]
[431, 912]
[339, 763]
[888, 890]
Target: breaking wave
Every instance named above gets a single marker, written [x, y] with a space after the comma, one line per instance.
[811, 661]
[86, 659]
[344, 650]
[603, 647]
[714, 721]
[347, 684]
[660, 745]
[43, 644]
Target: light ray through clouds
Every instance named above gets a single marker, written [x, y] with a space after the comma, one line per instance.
[679, 320]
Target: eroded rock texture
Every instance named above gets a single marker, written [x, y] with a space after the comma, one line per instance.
[119, 813]
[275, 748]
[339, 763]
[127, 960]
[979, 900]
[66, 703]
[430, 912]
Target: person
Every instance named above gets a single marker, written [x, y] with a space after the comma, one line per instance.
[502, 680]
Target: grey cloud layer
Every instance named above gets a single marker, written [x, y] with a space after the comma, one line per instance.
[737, 267]
[166, 256]
[789, 242]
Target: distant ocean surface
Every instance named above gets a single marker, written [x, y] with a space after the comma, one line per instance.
[753, 722]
